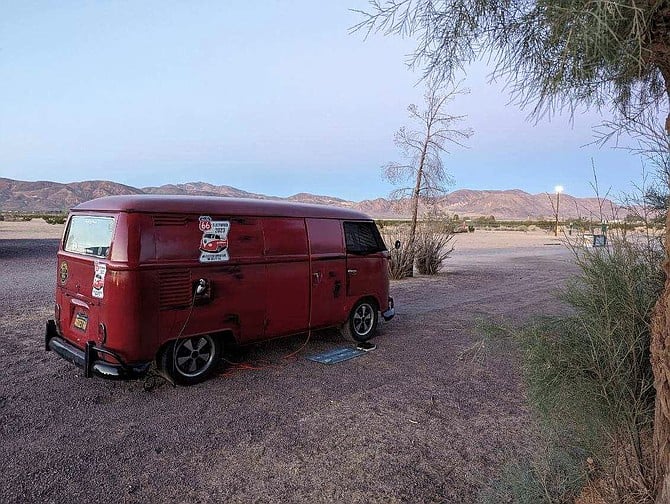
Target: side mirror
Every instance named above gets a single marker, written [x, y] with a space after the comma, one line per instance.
[397, 244]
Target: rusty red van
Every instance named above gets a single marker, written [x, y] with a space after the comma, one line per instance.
[173, 279]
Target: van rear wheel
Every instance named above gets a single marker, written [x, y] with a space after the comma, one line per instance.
[190, 360]
[362, 323]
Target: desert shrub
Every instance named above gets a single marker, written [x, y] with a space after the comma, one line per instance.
[55, 219]
[590, 384]
[401, 261]
[432, 247]
[551, 474]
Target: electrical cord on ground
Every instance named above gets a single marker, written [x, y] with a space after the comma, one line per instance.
[155, 378]
[236, 367]
[293, 354]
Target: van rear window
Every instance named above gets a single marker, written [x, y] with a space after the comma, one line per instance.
[363, 238]
[89, 235]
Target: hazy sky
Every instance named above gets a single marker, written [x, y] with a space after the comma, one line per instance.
[273, 97]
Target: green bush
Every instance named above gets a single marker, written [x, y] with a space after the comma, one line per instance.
[55, 219]
[551, 474]
[589, 380]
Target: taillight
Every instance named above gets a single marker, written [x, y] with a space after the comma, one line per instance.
[102, 333]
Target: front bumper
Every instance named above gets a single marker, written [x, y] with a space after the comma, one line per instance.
[390, 313]
[89, 358]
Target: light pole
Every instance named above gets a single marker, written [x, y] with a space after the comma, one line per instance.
[559, 190]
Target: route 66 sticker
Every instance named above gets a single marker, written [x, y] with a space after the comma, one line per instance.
[214, 241]
[205, 223]
[99, 280]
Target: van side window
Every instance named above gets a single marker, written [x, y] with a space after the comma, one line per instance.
[363, 238]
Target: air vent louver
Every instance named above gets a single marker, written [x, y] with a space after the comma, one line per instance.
[175, 289]
[170, 220]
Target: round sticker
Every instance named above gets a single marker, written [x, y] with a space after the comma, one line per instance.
[63, 273]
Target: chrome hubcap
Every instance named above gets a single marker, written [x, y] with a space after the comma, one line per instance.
[194, 355]
[363, 318]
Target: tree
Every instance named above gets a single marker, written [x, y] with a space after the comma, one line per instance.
[422, 149]
[557, 54]
[552, 53]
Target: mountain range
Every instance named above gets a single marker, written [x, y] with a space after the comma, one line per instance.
[514, 204]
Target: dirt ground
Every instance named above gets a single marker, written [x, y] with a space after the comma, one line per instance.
[32, 229]
[408, 422]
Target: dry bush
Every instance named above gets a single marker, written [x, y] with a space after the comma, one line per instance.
[401, 261]
[432, 246]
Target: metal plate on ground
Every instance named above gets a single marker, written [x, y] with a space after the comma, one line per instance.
[336, 355]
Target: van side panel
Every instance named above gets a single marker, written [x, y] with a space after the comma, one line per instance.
[327, 278]
[364, 278]
[236, 297]
[125, 320]
[287, 281]
[239, 291]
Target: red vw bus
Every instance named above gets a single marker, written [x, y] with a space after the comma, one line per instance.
[176, 278]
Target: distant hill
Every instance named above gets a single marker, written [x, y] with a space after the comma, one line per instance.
[204, 189]
[53, 196]
[514, 204]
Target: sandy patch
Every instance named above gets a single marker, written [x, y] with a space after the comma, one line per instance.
[481, 239]
[34, 229]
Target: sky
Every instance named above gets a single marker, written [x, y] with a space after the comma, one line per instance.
[275, 97]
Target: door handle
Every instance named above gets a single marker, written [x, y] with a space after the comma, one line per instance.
[352, 272]
[316, 277]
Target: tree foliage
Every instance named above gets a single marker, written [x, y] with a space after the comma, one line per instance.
[552, 53]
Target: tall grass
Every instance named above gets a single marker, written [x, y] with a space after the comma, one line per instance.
[590, 383]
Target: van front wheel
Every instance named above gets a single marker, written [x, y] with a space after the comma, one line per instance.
[362, 323]
[190, 360]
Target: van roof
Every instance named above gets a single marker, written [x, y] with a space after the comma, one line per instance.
[206, 205]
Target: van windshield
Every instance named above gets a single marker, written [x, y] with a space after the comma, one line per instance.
[89, 235]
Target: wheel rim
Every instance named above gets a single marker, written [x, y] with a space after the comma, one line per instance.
[194, 356]
[363, 319]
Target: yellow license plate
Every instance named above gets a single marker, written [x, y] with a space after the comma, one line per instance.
[81, 321]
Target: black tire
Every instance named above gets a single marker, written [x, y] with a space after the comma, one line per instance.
[362, 323]
[190, 360]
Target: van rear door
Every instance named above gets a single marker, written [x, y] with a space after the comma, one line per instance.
[82, 265]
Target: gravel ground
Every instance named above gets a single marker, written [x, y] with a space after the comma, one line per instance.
[408, 422]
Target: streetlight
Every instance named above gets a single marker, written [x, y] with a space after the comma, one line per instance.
[559, 190]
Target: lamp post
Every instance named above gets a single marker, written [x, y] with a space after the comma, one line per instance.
[559, 190]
